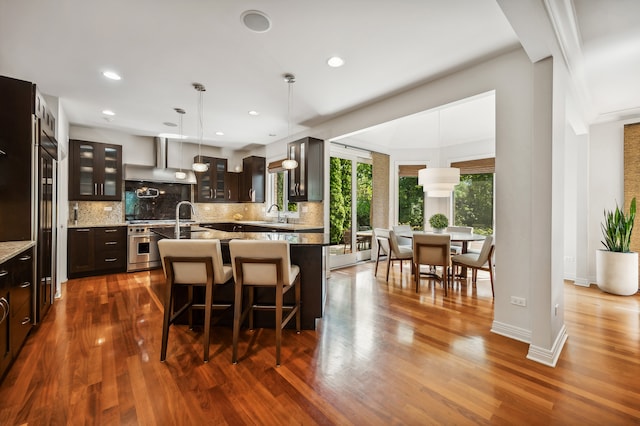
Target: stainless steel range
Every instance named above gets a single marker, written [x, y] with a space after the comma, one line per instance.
[142, 249]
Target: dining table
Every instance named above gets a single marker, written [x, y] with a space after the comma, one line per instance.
[458, 237]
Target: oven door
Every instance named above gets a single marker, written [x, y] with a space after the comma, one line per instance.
[143, 252]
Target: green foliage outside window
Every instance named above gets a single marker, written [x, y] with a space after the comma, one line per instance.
[364, 194]
[339, 211]
[473, 202]
[410, 202]
[280, 195]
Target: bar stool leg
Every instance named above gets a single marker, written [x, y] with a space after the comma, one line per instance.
[208, 302]
[278, 322]
[168, 307]
[237, 312]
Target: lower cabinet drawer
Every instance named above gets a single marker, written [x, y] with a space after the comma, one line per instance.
[21, 293]
[112, 259]
[21, 323]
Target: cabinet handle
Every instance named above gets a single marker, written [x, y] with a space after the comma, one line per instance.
[110, 243]
[111, 259]
[110, 230]
[25, 284]
[3, 273]
[215, 194]
[23, 258]
[95, 188]
[229, 194]
[83, 230]
[2, 152]
[5, 308]
[102, 189]
[25, 321]
[210, 193]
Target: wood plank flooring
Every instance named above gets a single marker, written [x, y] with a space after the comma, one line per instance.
[381, 355]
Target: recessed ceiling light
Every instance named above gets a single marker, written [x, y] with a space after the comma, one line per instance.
[112, 75]
[335, 61]
[220, 133]
[108, 112]
[170, 124]
[256, 21]
[254, 113]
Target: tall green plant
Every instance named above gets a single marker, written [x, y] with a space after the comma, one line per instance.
[617, 228]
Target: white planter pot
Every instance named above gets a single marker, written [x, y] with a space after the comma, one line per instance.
[617, 273]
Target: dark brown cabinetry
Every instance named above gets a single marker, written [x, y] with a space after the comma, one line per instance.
[95, 171]
[252, 180]
[17, 137]
[211, 185]
[306, 182]
[94, 251]
[232, 186]
[16, 308]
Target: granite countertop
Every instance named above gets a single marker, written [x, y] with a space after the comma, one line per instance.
[199, 233]
[268, 223]
[9, 249]
[94, 225]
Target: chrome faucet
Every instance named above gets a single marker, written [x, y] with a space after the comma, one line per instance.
[277, 209]
[177, 230]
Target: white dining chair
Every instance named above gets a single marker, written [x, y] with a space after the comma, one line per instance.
[482, 261]
[456, 247]
[403, 229]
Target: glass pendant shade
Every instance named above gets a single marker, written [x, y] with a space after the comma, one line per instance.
[199, 166]
[289, 164]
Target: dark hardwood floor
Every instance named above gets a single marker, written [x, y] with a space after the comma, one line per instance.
[381, 355]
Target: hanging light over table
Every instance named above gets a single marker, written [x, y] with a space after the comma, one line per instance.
[289, 164]
[438, 182]
[180, 174]
[199, 166]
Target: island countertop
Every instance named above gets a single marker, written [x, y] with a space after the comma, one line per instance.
[200, 233]
[308, 251]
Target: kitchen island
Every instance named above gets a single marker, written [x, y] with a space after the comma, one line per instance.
[307, 251]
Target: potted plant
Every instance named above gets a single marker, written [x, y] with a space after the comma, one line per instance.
[617, 265]
[438, 222]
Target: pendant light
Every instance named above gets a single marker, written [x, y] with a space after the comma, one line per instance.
[180, 174]
[199, 166]
[438, 182]
[289, 164]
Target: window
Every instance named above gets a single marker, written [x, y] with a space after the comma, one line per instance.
[473, 196]
[277, 189]
[410, 197]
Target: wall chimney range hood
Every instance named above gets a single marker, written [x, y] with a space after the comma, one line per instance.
[160, 172]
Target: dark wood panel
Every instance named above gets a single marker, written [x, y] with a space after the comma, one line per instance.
[381, 355]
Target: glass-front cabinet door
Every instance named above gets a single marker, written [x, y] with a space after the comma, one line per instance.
[111, 172]
[86, 170]
[96, 171]
[210, 186]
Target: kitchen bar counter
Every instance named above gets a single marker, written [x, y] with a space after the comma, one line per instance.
[9, 249]
[308, 251]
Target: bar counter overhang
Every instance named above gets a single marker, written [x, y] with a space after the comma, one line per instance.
[307, 251]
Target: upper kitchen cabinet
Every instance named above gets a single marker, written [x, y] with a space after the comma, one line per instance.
[95, 171]
[306, 181]
[210, 187]
[252, 180]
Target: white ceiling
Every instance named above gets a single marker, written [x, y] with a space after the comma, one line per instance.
[160, 47]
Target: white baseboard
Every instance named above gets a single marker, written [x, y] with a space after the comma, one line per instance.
[512, 332]
[582, 282]
[549, 356]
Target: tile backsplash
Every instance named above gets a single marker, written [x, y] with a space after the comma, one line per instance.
[97, 213]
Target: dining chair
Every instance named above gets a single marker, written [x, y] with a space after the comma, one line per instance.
[264, 264]
[432, 250]
[381, 236]
[403, 229]
[481, 261]
[191, 263]
[456, 247]
[398, 253]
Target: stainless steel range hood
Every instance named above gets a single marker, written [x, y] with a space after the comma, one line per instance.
[160, 172]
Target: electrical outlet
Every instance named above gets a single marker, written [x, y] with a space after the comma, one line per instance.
[108, 208]
[518, 301]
